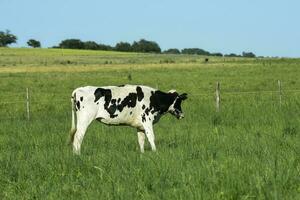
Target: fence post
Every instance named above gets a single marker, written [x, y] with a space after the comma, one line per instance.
[27, 104]
[218, 97]
[280, 92]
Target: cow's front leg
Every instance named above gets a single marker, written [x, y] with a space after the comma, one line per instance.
[150, 135]
[141, 139]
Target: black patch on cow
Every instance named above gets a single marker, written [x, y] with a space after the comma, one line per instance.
[113, 116]
[143, 107]
[99, 119]
[78, 105]
[74, 101]
[97, 103]
[177, 104]
[129, 101]
[81, 98]
[143, 118]
[161, 101]
[121, 85]
[140, 93]
[130, 113]
[156, 118]
[100, 92]
[112, 108]
[113, 101]
[147, 111]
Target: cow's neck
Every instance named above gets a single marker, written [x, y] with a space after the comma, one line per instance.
[161, 101]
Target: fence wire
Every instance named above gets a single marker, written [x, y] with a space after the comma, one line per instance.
[35, 95]
[37, 99]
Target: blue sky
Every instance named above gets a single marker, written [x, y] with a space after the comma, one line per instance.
[265, 27]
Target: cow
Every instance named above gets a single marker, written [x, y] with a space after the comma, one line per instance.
[137, 106]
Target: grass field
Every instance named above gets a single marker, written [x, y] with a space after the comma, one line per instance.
[249, 150]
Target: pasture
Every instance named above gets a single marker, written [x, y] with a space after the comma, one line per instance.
[248, 150]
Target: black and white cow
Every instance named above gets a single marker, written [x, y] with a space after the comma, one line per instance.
[133, 105]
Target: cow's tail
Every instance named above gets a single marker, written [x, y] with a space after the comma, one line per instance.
[73, 124]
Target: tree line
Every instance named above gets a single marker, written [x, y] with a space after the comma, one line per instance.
[144, 46]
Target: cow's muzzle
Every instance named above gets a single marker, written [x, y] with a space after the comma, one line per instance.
[180, 116]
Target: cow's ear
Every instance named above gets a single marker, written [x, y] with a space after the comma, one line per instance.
[183, 96]
[172, 91]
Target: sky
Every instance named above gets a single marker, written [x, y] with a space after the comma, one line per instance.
[264, 27]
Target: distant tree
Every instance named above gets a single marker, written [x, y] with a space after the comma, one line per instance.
[123, 46]
[71, 44]
[232, 55]
[195, 51]
[6, 38]
[216, 54]
[104, 47]
[145, 46]
[91, 45]
[172, 51]
[248, 55]
[34, 43]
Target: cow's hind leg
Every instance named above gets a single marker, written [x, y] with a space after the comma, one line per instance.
[141, 139]
[82, 125]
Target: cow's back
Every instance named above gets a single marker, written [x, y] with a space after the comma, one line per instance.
[114, 104]
[126, 104]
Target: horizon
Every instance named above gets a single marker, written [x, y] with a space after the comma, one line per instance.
[265, 28]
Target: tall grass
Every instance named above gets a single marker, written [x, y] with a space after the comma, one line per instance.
[249, 150]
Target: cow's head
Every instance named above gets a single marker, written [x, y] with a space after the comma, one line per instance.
[175, 108]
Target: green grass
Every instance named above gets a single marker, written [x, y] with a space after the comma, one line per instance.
[250, 150]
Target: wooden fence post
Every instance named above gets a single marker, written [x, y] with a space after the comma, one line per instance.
[27, 104]
[218, 97]
[280, 92]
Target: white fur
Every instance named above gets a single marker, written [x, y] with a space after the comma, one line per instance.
[90, 110]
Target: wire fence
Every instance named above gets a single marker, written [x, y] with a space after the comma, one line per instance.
[38, 99]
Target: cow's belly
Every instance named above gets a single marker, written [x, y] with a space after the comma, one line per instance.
[120, 119]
